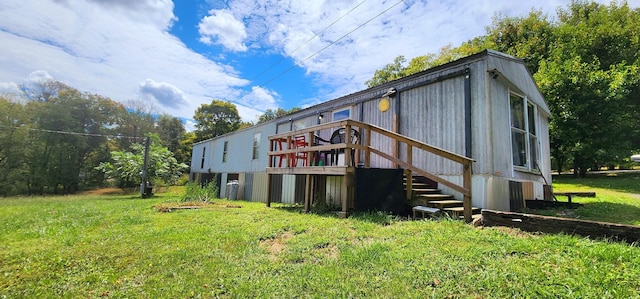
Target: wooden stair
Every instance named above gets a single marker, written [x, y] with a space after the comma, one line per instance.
[425, 193]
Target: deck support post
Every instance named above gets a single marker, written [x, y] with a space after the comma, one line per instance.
[307, 194]
[466, 183]
[408, 173]
[347, 194]
[269, 190]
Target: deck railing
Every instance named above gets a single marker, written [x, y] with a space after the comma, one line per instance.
[363, 147]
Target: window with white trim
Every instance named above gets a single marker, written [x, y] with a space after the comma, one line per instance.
[524, 135]
[256, 145]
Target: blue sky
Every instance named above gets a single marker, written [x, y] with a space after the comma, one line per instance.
[177, 55]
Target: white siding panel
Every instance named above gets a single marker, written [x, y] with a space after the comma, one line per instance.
[241, 185]
[334, 190]
[498, 194]
[434, 114]
[259, 192]
[288, 189]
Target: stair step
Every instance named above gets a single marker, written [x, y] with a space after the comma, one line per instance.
[442, 204]
[433, 197]
[419, 191]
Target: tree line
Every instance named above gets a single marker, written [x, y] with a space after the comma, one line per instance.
[55, 139]
[586, 62]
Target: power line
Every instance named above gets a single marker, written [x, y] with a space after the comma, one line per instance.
[332, 43]
[310, 39]
[324, 48]
[76, 133]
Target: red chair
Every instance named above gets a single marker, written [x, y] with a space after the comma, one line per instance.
[299, 142]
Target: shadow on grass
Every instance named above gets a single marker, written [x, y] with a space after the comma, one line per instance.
[376, 217]
[595, 211]
[621, 182]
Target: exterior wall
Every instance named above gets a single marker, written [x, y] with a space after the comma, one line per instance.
[429, 107]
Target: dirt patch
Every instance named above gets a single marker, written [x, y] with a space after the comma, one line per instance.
[106, 191]
[278, 244]
[170, 207]
[329, 250]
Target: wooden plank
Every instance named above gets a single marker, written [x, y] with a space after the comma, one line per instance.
[548, 224]
[327, 170]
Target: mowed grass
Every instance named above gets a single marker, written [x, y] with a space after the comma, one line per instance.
[617, 197]
[121, 247]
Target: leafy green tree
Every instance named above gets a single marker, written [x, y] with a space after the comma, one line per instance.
[590, 81]
[215, 119]
[126, 166]
[586, 64]
[14, 131]
[171, 130]
[397, 70]
[273, 114]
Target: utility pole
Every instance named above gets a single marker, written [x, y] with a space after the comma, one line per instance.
[145, 191]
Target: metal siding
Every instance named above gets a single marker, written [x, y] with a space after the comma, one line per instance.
[434, 114]
[372, 115]
[223, 185]
[288, 189]
[248, 186]
[334, 190]
[482, 118]
[259, 192]
[241, 185]
[497, 194]
[276, 188]
[518, 75]
[501, 129]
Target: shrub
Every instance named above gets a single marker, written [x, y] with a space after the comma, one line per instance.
[200, 192]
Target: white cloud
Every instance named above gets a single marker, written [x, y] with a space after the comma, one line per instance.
[164, 93]
[40, 76]
[9, 88]
[412, 28]
[108, 49]
[110, 46]
[224, 29]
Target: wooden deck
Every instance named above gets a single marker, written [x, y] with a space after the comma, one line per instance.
[284, 158]
[313, 170]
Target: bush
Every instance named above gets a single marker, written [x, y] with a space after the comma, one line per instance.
[200, 192]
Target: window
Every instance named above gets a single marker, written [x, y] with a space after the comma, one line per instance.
[299, 125]
[224, 151]
[204, 150]
[256, 146]
[341, 114]
[524, 136]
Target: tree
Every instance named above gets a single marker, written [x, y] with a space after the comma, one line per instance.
[586, 64]
[397, 70]
[590, 81]
[170, 130]
[216, 119]
[126, 166]
[273, 114]
[14, 131]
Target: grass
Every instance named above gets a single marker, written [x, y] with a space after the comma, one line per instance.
[617, 197]
[121, 246]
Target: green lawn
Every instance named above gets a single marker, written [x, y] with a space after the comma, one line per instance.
[122, 247]
[617, 197]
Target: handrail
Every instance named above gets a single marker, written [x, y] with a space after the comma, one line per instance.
[465, 162]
